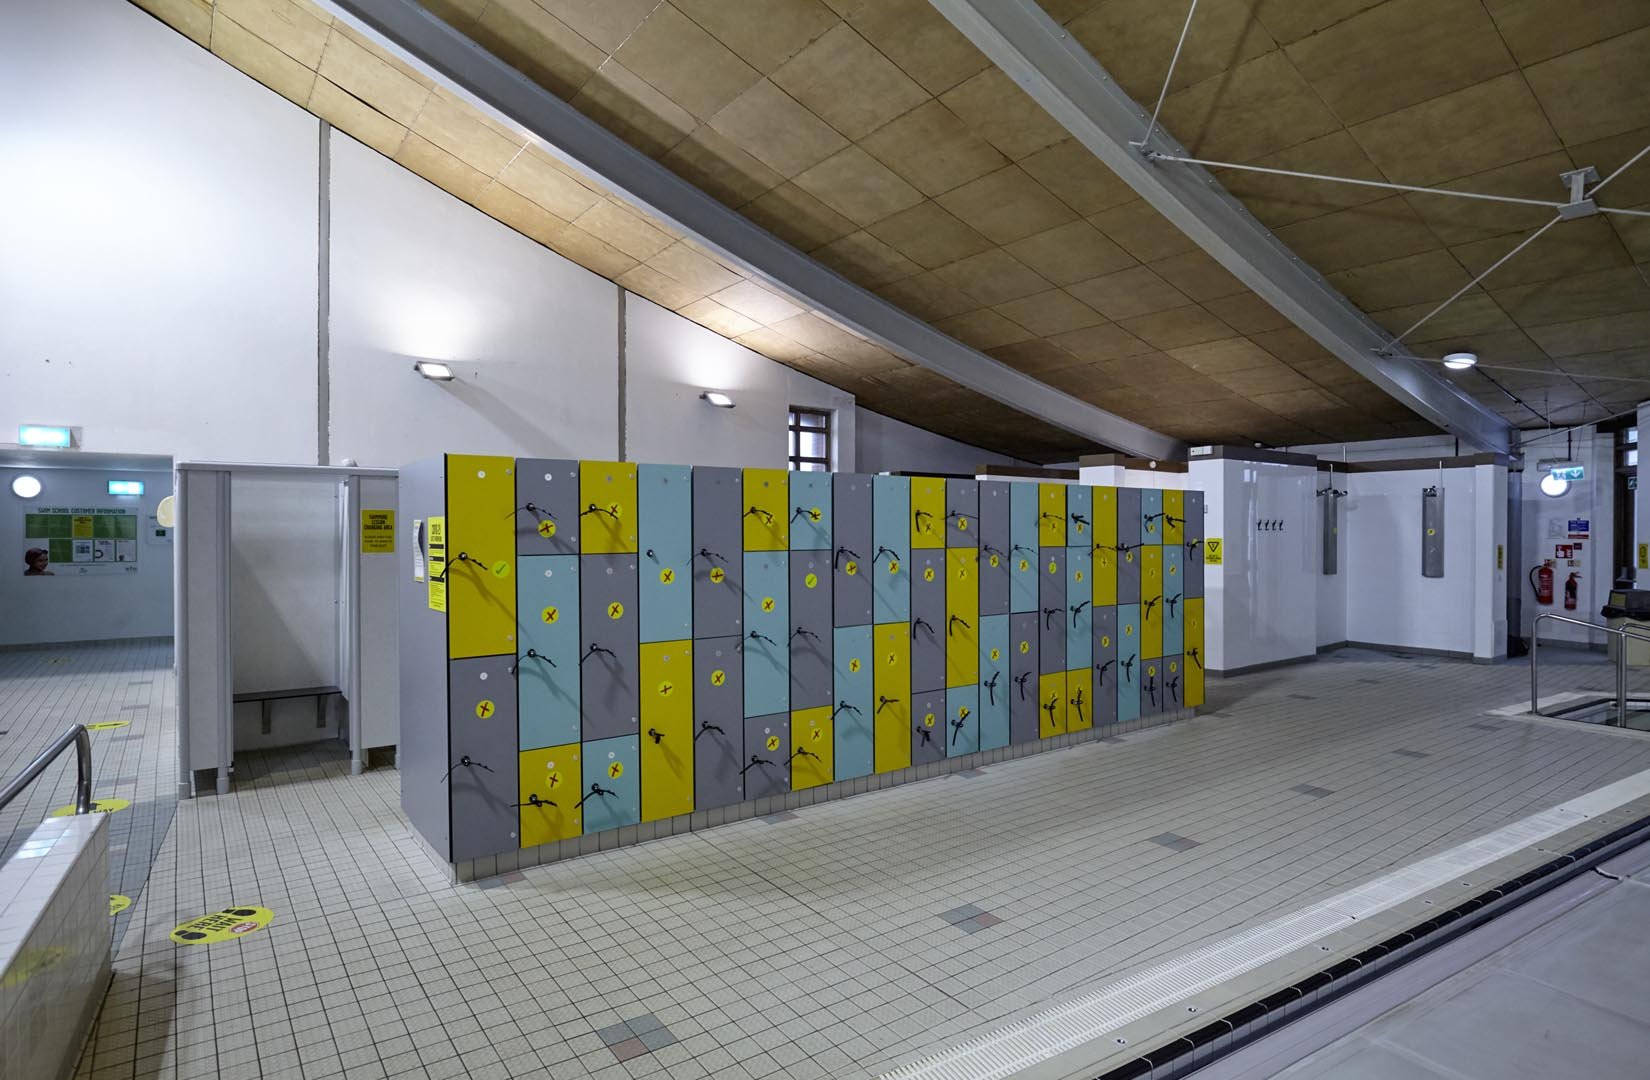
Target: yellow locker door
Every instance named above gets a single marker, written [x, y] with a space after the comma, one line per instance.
[1105, 546]
[811, 743]
[1079, 700]
[766, 508]
[962, 616]
[550, 786]
[481, 556]
[1192, 683]
[1051, 515]
[1151, 600]
[1051, 704]
[891, 683]
[927, 512]
[607, 507]
[1174, 517]
[667, 729]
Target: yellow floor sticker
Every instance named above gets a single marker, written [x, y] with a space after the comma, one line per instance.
[99, 806]
[118, 904]
[108, 725]
[226, 925]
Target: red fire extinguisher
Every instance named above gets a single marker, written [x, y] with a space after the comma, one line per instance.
[1570, 586]
[1541, 580]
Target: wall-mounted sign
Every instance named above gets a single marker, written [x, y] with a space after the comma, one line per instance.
[1214, 552]
[66, 540]
[47, 435]
[1579, 528]
[377, 532]
[1568, 472]
[126, 487]
[1644, 556]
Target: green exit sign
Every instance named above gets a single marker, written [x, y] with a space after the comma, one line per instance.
[1569, 472]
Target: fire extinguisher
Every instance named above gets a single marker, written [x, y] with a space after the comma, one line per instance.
[1570, 587]
[1541, 580]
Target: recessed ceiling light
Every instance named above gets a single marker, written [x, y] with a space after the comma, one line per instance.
[435, 370]
[1460, 361]
[25, 487]
[717, 398]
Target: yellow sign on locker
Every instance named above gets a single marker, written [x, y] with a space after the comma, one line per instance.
[481, 541]
[1079, 700]
[1051, 704]
[766, 509]
[551, 783]
[812, 758]
[1174, 517]
[891, 687]
[927, 512]
[1151, 600]
[1192, 691]
[962, 616]
[1051, 515]
[667, 729]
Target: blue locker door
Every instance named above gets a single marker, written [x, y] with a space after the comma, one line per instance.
[1079, 602]
[1022, 555]
[853, 712]
[1080, 516]
[996, 682]
[547, 656]
[891, 539]
[962, 720]
[1151, 516]
[1174, 600]
[810, 511]
[1023, 667]
[1129, 663]
[767, 625]
[664, 505]
[612, 783]
[851, 550]
[1053, 616]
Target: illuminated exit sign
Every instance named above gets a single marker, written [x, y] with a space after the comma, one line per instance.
[1569, 472]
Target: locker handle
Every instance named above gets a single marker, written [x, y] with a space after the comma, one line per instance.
[883, 703]
[1048, 614]
[920, 730]
[593, 650]
[656, 736]
[961, 514]
[1151, 690]
[881, 551]
[531, 654]
[1195, 658]
[1079, 518]
[957, 726]
[1168, 604]
[991, 685]
[801, 511]
[920, 621]
[594, 509]
[845, 705]
[1077, 610]
[1128, 666]
[1050, 516]
[955, 619]
[536, 511]
[1147, 605]
[534, 800]
[916, 519]
[704, 726]
[760, 636]
[595, 789]
[468, 763]
[1052, 704]
[708, 555]
[1022, 547]
[1159, 516]
[840, 552]
[1124, 549]
[1191, 545]
[801, 751]
[1020, 680]
[1172, 522]
[1172, 687]
[757, 511]
[992, 548]
[1078, 701]
[1101, 668]
[649, 554]
[804, 632]
[755, 761]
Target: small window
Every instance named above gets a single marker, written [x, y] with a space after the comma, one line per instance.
[810, 440]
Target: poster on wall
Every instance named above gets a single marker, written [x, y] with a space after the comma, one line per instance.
[69, 540]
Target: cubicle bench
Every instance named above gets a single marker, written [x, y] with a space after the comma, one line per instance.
[266, 698]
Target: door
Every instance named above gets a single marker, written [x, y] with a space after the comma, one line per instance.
[1051, 704]
[996, 682]
[810, 633]
[1053, 613]
[547, 660]
[1192, 694]
[767, 624]
[1080, 516]
[1151, 600]
[767, 747]
[1079, 607]
[1151, 515]
[851, 562]
[1104, 683]
[962, 513]
[481, 556]
[612, 795]
[853, 713]
[718, 722]
[927, 512]
[962, 713]
[1129, 664]
[549, 786]
[547, 506]
[809, 511]
[928, 727]
[962, 616]
[766, 510]
[608, 694]
[664, 495]
[1079, 699]
[667, 729]
[928, 618]
[1193, 547]
[607, 508]
[481, 779]
[1023, 574]
[812, 748]
[1051, 515]
[1024, 632]
[890, 565]
[1174, 518]
[1174, 600]
[718, 564]
[1105, 545]
[994, 544]
[891, 686]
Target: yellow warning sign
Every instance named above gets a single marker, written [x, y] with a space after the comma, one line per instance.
[1644, 556]
[377, 532]
[108, 725]
[226, 925]
[118, 904]
[1214, 552]
[436, 541]
[99, 806]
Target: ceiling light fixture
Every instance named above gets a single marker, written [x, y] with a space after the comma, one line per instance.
[434, 370]
[25, 486]
[1460, 361]
[717, 398]
[47, 436]
[1554, 485]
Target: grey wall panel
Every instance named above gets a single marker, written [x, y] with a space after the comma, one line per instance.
[962, 513]
[547, 506]
[811, 634]
[928, 606]
[928, 727]
[1105, 664]
[481, 699]
[767, 746]
[608, 653]
[1052, 616]
[851, 557]
[718, 722]
[1025, 630]
[718, 547]
[422, 757]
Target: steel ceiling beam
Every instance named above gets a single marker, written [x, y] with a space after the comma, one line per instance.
[1060, 75]
[458, 63]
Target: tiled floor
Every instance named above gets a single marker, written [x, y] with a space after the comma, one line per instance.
[841, 941]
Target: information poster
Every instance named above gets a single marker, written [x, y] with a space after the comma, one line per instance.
[65, 540]
[377, 532]
[437, 559]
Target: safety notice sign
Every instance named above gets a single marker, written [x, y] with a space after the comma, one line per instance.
[377, 532]
[1214, 552]
[435, 533]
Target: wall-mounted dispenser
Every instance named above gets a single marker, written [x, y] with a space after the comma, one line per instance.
[1432, 531]
[1330, 520]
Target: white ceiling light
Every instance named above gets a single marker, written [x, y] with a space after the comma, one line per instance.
[1554, 485]
[1460, 361]
[717, 398]
[25, 487]
[434, 370]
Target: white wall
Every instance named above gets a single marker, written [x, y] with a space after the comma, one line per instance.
[1419, 446]
[888, 445]
[158, 267]
[1592, 499]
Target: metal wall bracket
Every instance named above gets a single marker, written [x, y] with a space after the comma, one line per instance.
[1580, 205]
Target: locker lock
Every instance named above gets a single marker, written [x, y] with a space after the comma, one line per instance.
[927, 737]
[888, 551]
[1170, 602]
[757, 635]
[1077, 610]
[755, 761]
[1128, 667]
[534, 800]
[594, 509]
[1172, 687]
[595, 789]
[593, 650]
[704, 726]
[1020, 681]
[961, 515]
[1124, 549]
[1050, 705]
[991, 684]
[710, 556]
[917, 517]
[656, 735]
[1147, 605]
[1048, 616]
[531, 654]
[1077, 703]
[1151, 689]
[1022, 547]
[1195, 658]
[1173, 522]
[803, 632]
[1192, 545]
[1079, 519]
[990, 549]
[468, 763]
[801, 511]
[536, 511]
[1047, 516]
[757, 511]
[955, 619]
[801, 751]
[883, 703]
[1161, 515]
[845, 706]
[920, 621]
[957, 724]
[1101, 668]
[840, 552]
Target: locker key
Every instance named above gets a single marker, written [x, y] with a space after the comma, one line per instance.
[845, 705]
[655, 735]
[1020, 680]
[1128, 668]
[811, 513]
[704, 726]
[1171, 521]
[1101, 668]
[532, 654]
[840, 552]
[534, 800]
[755, 761]
[595, 789]
[991, 549]
[920, 621]
[1049, 516]
[467, 762]
[1172, 687]
[883, 703]
[1195, 658]
[1124, 549]
[804, 632]
[709, 556]
[1077, 610]
[1022, 547]
[757, 511]
[1078, 701]
[916, 519]
[593, 650]
[1159, 516]
[991, 684]
[956, 619]
[881, 551]
[1147, 605]
[1168, 605]
[760, 636]
[957, 724]
[1049, 613]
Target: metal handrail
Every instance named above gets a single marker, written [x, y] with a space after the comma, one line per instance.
[1621, 659]
[82, 740]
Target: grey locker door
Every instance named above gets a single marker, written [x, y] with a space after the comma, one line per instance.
[851, 559]
[608, 661]
[481, 707]
[928, 618]
[718, 553]
[1105, 664]
[962, 513]
[810, 630]
[1128, 517]
[1128, 576]
[547, 506]
[928, 727]
[1192, 564]
[1024, 631]
[1052, 615]
[767, 746]
[994, 547]
[718, 722]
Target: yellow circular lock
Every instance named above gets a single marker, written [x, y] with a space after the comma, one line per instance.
[666, 576]
[615, 769]
[1053, 566]
[550, 614]
[853, 665]
[1078, 574]
[718, 677]
[928, 720]
[810, 580]
[1152, 670]
[1024, 566]
[773, 742]
[993, 560]
[666, 688]
[717, 574]
[500, 569]
[818, 734]
[615, 610]
[485, 708]
[893, 566]
[995, 654]
[1173, 667]
[1105, 641]
[1025, 647]
[547, 528]
[962, 524]
[615, 509]
[815, 513]
[767, 603]
[928, 573]
[850, 567]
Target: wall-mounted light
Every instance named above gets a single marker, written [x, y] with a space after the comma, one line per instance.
[717, 398]
[25, 487]
[1460, 361]
[126, 487]
[434, 370]
[1554, 485]
[48, 436]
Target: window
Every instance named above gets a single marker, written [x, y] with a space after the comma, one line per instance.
[810, 440]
